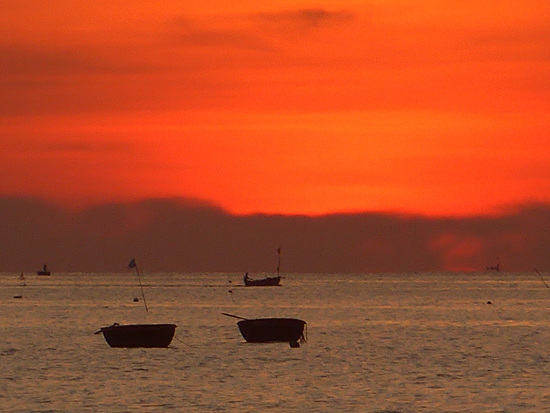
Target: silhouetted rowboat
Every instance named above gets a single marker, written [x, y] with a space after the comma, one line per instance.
[268, 281]
[264, 282]
[266, 330]
[138, 335]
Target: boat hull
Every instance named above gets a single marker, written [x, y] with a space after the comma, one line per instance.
[266, 282]
[139, 335]
[43, 273]
[266, 330]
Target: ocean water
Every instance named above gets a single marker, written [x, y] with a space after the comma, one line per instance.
[436, 342]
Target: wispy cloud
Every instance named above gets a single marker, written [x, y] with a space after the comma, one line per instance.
[57, 61]
[306, 18]
[227, 32]
[528, 44]
[253, 31]
[79, 147]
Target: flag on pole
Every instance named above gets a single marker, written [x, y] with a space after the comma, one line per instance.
[132, 263]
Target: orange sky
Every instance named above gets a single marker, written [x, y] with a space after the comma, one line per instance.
[436, 107]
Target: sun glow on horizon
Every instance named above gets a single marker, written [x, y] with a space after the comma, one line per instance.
[282, 108]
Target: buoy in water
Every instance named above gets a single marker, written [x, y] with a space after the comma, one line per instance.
[488, 302]
[136, 300]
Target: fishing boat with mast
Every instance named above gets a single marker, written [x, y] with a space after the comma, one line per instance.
[268, 281]
[138, 335]
[495, 267]
[44, 271]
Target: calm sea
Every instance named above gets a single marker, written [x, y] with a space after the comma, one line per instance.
[434, 342]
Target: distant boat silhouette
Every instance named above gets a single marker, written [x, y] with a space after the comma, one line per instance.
[494, 267]
[138, 335]
[268, 281]
[264, 282]
[44, 271]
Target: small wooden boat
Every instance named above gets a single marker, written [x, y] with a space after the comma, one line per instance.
[268, 281]
[266, 330]
[44, 271]
[494, 267]
[264, 282]
[138, 335]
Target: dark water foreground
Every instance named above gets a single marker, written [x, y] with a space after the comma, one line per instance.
[376, 343]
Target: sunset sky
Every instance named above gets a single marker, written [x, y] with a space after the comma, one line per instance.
[439, 108]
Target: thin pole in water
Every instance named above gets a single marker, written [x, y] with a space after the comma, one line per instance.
[540, 275]
[279, 261]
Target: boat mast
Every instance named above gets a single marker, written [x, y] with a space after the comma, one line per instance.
[279, 260]
[132, 264]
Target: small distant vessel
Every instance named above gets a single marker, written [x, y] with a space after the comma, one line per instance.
[264, 282]
[267, 330]
[138, 335]
[494, 267]
[268, 281]
[44, 271]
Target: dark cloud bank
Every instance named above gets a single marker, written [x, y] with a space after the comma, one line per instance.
[175, 235]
